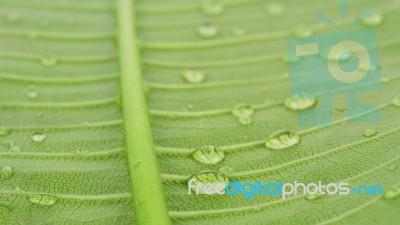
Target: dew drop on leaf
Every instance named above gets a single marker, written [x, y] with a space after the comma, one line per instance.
[213, 7]
[49, 61]
[298, 103]
[370, 133]
[213, 177]
[4, 131]
[396, 101]
[375, 19]
[226, 170]
[6, 172]
[208, 30]
[282, 140]
[392, 193]
[239, 32]
[13, 17]
[208, 155]
[46, 200]
[245, 120]
[193, 76]
[32, 94]
[242, 111]
[275, 9]
[38, 137]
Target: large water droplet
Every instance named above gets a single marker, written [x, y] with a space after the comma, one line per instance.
[208, 30]
[373, 20]
[370, 133]
[49, 61]
[6, 172]
[242, 110]
[46, 200]
[282, 140]
[213, 7]
[193, 76]
[298, 103]
[208, 155]
[396, 101]
[4, 131]
[392, 193]
[275, 9]
[38, 137]
[13, 17]
[213, 177]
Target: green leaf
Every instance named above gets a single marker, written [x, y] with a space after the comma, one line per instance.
[107, 108]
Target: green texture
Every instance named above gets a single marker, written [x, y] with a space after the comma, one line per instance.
[103, 102]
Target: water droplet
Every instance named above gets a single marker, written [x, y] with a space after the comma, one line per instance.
[38, 137]
[226, 170]
[298, 103]
[49, 61]
[208, 30]
[193, 76]
[275, 9]
[13, 17]
[282, 140]
[46, 200]
[303, 32]
[373, 20]
[242, 111]
[213, 177]
[370, 133]
[312, 197]
[32, 94]
[208, 155]
[245, 120]
[32, 35]
[14, 149]
[213, 7]
[6, 172]
[239, 32]
[396, 101]
[4, 131]
[392, 193]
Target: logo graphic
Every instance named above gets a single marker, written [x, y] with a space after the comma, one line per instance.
[340, 63]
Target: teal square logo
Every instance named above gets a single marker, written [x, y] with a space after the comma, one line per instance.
[343, 63]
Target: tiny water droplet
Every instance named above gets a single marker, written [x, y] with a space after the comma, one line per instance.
[13, 17]
[32, 94]
[226, 170]
[282, 140]
[38, 137]
[370, 133]
[208, 155]
[4, 131]
[208, 30]
[6, 172]
[312, 197]
[373, 20]
[303, 32]
[49, 61]
[298, 103]
[14, 149]
[239, 32]
[245, 120]
[275, 9]
[213, 177]
[46, 200]
[213, 7]
[242, 110]
[189, 106]
[396, 101]
[193, 76]
[392, 193]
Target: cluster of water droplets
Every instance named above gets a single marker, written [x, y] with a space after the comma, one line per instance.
[243, 113]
